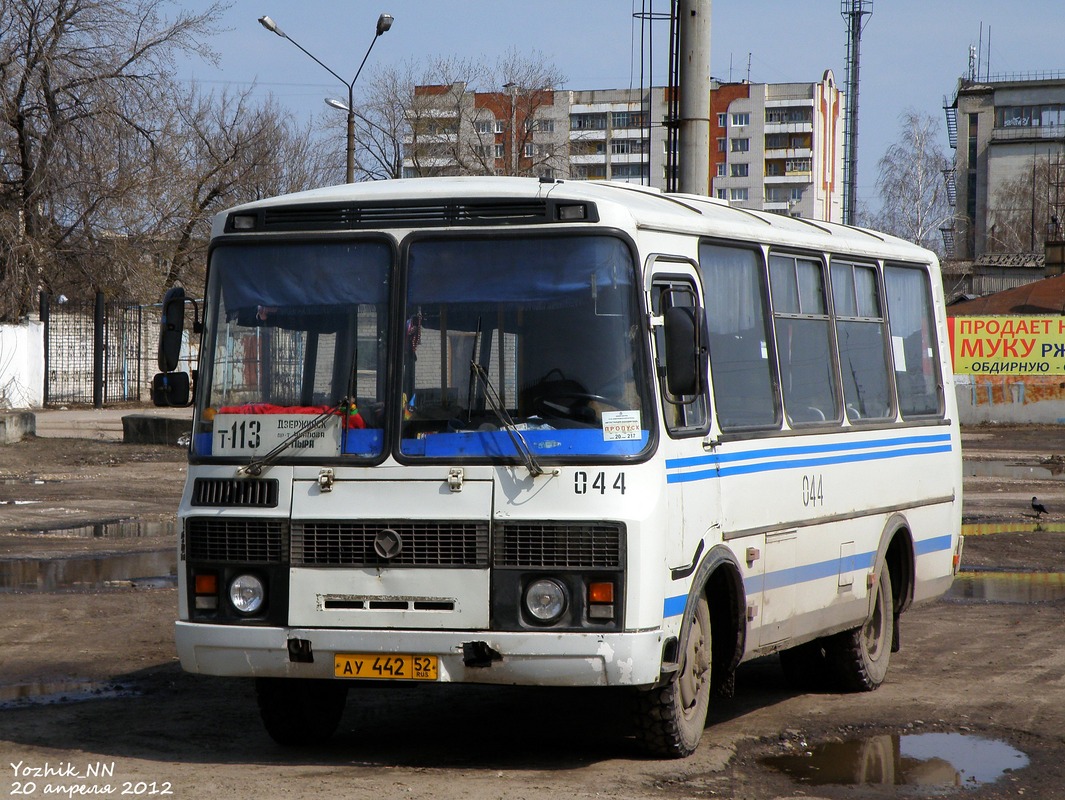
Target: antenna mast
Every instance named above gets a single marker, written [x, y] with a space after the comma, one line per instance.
[854, 12]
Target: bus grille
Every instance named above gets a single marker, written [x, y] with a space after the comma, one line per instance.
[245, 541]
[221, 492]
[424, 543]
[559, 544]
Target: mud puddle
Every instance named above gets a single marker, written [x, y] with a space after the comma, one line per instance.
[928, 760]
[119, 528]
[48, 692]
[1050, 471]
[1007, 587]
[145, 570]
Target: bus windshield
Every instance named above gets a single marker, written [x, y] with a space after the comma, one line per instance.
[521, 343]
[296, 336]
[508, 348]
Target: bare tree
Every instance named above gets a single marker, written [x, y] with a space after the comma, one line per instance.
[461, 117]
[76, 76]
[221, 149]
[911, 185]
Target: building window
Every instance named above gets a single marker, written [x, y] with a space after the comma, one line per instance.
[484, 125]
[501, 126]
[722, 194]
[738, 195]
[741, 145]
[793, 165]
[500, 152]
[587, 122]
[629, 171]
[530, 150]
[741, 119]
[590, 172]
[627, 119]
[721, 169]
[722, 120]
[784, 116]
[721, 145]
[738, 170]
[540, 125]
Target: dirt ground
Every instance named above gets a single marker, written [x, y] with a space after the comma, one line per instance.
[107, 710]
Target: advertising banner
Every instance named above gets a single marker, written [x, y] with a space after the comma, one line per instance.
[1007, 345]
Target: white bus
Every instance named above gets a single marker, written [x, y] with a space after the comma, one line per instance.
[547, 433]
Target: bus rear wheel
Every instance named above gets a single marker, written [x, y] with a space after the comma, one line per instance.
[299, 712]
[671, 718]
[859, 658]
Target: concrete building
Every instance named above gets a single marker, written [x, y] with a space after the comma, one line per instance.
[1008, 134]
[780, 147]
[774, 147]
[453, 131]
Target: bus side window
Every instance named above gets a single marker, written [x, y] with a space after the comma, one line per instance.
[745, 394]
[804, 340]
[861, 336]
[689, 417]
[913, 341]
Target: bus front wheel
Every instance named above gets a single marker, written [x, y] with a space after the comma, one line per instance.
[671, 718]
[859, 657]
[298, 712]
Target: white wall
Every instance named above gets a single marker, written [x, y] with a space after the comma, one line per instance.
[22, 365]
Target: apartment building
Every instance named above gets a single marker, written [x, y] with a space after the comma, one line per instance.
[1008, 181]
[774, 147]
[779, 147]
[453, 131]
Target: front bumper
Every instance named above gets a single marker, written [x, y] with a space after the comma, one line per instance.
[530, 659]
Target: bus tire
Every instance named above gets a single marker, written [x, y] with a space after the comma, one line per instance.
[859, 658]
[299, 712]
[671, 718]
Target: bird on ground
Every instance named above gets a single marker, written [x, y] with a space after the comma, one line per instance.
[1038, 508]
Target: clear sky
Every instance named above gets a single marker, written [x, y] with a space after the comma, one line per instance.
[912, 51]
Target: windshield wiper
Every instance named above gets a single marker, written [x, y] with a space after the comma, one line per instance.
[256, 467]
[507, 421]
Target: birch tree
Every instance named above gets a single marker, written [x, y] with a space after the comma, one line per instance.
[911, 183]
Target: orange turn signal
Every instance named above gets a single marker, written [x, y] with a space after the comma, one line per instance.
[206, 583]
[602, 592]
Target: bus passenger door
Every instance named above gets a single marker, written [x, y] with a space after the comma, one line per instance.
[692, 492]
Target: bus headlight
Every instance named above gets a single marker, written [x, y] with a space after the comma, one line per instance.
[545, 599]
[247, 594]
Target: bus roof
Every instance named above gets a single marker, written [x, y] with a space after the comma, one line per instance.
[622, 204]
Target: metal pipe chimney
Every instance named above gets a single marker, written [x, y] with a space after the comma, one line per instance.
[693, 139]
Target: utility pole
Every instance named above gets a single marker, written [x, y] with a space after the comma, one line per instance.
[693, 135]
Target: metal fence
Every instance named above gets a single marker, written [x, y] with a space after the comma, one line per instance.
[98, 353]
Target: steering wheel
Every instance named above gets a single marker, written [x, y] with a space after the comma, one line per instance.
[578, 409]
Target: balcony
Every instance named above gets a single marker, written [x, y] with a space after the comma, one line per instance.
[1036, 133]
[790, 152]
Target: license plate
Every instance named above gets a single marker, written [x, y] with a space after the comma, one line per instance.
[383, 667]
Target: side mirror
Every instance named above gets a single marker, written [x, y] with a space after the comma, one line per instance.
[685, 353]
[171, 328]
[171, 389]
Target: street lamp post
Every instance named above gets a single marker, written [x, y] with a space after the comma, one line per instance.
[384, 22]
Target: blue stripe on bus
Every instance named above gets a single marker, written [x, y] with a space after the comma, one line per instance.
[798, 450]
[793, 576]
[817, 455]
[674, 606]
